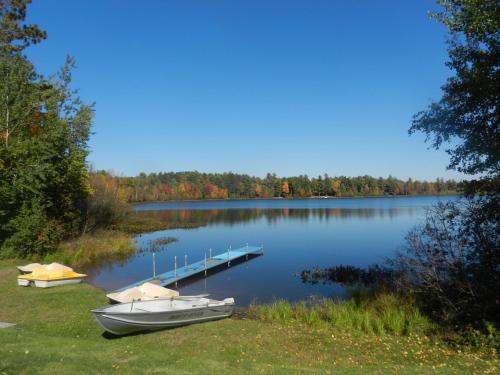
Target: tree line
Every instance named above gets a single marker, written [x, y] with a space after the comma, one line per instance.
[195, 185]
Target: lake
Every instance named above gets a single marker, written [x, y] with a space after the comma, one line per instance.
[296, 234]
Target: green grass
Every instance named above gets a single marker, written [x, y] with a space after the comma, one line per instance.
[56, 334]
[86, 250]
[380, 314]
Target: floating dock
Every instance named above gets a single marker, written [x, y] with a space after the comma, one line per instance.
[197, 268]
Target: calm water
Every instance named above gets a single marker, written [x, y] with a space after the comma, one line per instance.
[297, 235]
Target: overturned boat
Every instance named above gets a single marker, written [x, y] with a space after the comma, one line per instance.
[157, 314]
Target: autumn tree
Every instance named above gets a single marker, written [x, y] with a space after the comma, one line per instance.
[285, 189]
[258, 190]
[106, 204]
[194, 185]
[336, 187]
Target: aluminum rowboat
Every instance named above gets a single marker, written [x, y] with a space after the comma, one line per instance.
[136, 316]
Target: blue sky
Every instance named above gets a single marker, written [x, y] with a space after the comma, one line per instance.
[291, 87]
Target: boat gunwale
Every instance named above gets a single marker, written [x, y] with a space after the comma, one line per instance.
[181, 298]
[102, 311]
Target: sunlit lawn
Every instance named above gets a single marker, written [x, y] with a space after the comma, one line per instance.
[56, 333]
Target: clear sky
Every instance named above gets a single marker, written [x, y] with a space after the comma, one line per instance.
[291, 87]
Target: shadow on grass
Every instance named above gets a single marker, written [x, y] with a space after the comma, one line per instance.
[110, 336]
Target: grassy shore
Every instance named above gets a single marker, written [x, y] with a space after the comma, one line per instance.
[105, 246]
[99, 247]
[380, 314]
[56, 334]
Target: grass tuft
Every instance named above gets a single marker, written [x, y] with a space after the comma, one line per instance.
[379, 314]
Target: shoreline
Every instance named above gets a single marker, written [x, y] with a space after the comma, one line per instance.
[298, 199]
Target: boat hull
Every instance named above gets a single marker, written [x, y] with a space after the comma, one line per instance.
[126, 323]
[23, 282]
[52, 283]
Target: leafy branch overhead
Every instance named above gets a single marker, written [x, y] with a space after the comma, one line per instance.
[15, 36]
[466, 118]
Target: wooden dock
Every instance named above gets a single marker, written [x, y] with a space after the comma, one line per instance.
[197, 268]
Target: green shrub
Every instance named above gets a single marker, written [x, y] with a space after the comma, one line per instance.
[32, 233]
[486, 337]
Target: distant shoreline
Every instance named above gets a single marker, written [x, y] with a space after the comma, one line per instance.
[388, 196]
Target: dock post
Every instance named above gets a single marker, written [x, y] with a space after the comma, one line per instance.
[175, 269]
[228, 261]
[154, 266]
[247, 252]
[205, 263]
[210, 256]
[185, 261]
[175, 266]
